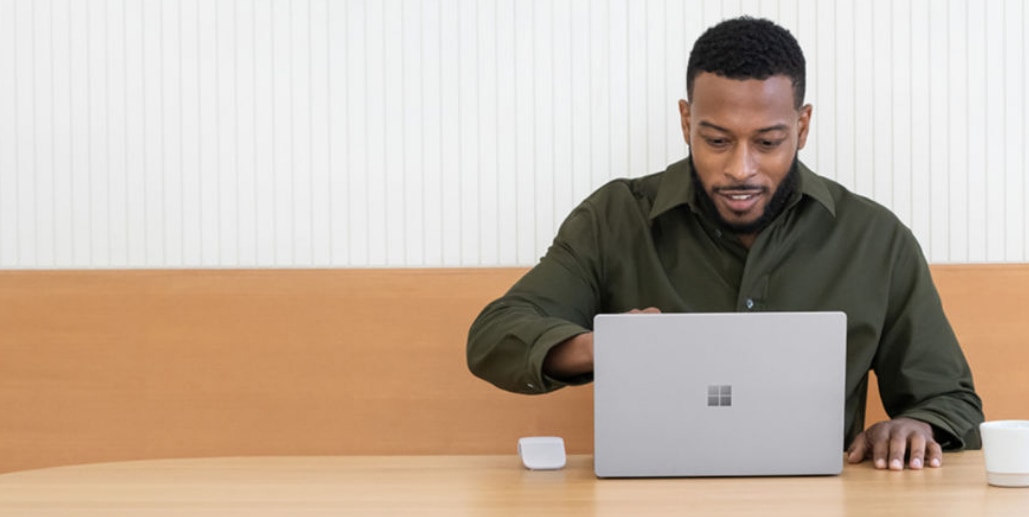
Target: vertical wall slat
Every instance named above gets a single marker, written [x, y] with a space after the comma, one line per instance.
[8, 134]
[1025, 130]
[958, 101]
[846, 103]
[506, 137]
[245, 139]
[320, 110]
[169, 118]
[265, 214]
[450, 132]
[11, 132]
[823, 60]
[390, 204]
[469, 159]
[994, 110]
[487, 109]
[300, 137]
[936, 174]
[600, 93]
[1015, 137]
[206, 169]
[543, 131]
[524, 124]
[62, 137]
[43, 132]
[920, 182]
[976, 137]
[189, 145]
[80, 208]
[26, 111]
[564, 120]
[900, 111]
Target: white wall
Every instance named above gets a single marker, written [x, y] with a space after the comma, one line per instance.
[296, 133]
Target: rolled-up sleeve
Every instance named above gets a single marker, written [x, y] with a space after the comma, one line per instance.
[554, 301]
[922, 371]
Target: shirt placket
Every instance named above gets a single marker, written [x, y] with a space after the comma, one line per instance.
[753, 294]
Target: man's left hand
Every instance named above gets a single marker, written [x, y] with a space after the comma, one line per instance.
[886, 444]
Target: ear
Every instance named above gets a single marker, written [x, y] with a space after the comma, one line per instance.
[803, 125]
[684, 116]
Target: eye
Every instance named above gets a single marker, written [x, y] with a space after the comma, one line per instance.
[770, 144]
[716, 142]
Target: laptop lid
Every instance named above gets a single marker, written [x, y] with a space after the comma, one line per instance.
[719, 394]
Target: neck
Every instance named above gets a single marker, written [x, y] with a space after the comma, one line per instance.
[747, 239]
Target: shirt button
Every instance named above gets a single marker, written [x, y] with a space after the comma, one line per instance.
[718, 233]
[531, 386]
[750, 303]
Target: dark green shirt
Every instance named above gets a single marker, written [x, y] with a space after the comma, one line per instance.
[645, 242]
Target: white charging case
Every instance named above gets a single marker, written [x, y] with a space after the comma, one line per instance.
[542, 452]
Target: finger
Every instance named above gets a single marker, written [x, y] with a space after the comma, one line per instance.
[934, 454]
[898, 446]
[880, 449]
[651, 310]
[858, 450]
[916, 451]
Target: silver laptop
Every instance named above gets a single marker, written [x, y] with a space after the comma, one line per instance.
[719, 394]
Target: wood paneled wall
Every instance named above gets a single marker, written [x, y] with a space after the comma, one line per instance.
[115, 365]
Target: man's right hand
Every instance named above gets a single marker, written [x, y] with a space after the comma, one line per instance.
[574, 356]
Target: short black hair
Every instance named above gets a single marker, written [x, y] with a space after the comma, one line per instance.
[748, 48]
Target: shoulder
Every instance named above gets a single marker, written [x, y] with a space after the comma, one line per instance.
[866, 220]
[628, 189]
[854, 208]
[635, 194]
[619, 207]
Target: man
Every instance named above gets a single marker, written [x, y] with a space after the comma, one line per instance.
[742, 225]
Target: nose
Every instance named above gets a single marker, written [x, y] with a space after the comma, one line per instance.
[742, 163]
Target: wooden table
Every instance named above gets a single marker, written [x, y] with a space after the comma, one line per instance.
[483, 485]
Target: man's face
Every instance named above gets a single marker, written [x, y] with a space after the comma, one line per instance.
[743, 137]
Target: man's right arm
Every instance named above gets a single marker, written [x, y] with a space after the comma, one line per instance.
[552, 304]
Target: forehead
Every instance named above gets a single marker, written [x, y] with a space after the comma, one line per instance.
[742, 104]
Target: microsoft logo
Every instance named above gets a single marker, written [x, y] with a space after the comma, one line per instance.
[719, 395]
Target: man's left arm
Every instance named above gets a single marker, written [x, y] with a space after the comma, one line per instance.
[924, 380]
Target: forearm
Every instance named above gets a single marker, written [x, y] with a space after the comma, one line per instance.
[509, 342]
[571, 358]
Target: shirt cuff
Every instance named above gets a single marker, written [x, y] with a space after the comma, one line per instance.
[942, 433]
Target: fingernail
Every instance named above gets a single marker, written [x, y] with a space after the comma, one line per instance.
[880, 464]
[934, 462]
[916, 463]
[896, 464]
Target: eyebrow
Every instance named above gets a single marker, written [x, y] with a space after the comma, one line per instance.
[777, 127]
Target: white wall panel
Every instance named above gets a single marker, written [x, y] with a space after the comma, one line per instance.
[409, 133]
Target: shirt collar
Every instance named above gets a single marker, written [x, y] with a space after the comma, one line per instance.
[677, 188]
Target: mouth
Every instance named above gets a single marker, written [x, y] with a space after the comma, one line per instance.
[739, 200]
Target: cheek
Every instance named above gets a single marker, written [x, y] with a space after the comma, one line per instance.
[706, 166]
[780, 158]
[777, 165]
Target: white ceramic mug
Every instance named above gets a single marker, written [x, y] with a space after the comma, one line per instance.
[1006, 450]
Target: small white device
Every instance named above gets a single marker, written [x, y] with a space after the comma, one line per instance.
[542, 452]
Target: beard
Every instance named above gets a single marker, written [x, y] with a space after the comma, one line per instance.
[774, 207]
